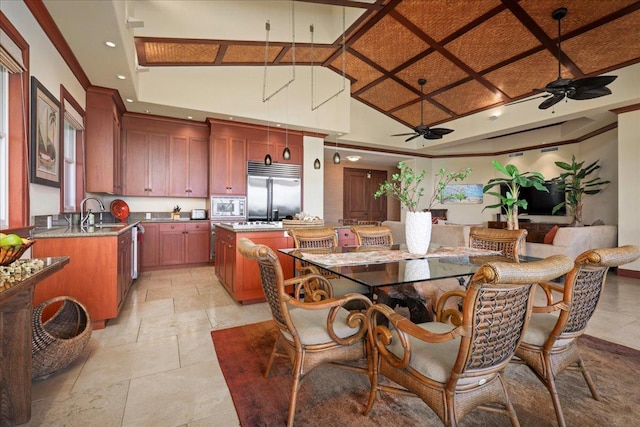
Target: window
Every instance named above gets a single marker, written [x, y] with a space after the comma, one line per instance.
[72, 184]
[4, 148]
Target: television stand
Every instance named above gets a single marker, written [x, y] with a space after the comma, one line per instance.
[535, 230]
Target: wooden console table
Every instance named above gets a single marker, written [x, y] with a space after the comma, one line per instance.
[16, 308]
[535, 230]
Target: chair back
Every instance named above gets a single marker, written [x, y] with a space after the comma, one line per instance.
[584, 285]
[271, 279]
[305, 238]
[508, 242]
[496, 311]
[373, 235]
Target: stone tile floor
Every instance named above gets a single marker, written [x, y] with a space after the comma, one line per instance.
[155, 365]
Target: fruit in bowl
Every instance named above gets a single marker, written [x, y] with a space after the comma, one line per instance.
[10, 241]
[12, 247]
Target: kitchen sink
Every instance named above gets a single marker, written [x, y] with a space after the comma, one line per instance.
[108, 225]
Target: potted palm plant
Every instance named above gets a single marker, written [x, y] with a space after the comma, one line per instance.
[406, 187]
[514, 180]
[575, 184]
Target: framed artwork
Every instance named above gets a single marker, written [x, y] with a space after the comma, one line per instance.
[462, 193]
[46, 154]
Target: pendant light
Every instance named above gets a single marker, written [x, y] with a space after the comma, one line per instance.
[336, 156]
[316, 164]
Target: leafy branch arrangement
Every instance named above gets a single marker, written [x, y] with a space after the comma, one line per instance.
[444, 178]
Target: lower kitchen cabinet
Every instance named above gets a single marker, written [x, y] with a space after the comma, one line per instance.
[98, 274]
[241, 276]
[175, 244]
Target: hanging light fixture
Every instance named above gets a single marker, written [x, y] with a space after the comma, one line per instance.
[336, 156]
[316, 164]
[267, 158]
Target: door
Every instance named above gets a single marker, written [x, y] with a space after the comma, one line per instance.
[359, 187]
[257, 197]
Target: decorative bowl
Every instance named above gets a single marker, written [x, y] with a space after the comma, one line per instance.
[7, 256]
[120, 209]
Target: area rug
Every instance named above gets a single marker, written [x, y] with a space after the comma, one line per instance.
[335, 397]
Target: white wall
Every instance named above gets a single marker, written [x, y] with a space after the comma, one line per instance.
[629, 173]
[313, 184]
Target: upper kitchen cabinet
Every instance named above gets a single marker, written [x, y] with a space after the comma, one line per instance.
[146, 161]
[103, 146]
[258, 146]
[228, 158]
[189, 166]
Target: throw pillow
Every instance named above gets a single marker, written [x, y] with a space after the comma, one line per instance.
[436, 219]
[548, 238]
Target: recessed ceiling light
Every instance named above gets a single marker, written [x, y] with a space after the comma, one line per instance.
[189, 117]
[278, 125]
[129, 100]
[493, 117]
[230, 118]
[121, 77]
[110, 44]
[147, 111]
[353, 158]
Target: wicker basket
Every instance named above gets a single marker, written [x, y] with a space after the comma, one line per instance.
[296, 223]
[59, 340]
[13, 254]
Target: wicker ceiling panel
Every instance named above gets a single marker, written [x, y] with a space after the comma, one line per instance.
[439, 19]
[303, 55]
[495, 40]
[388, 94]
[436, 69]
[249, 54]
[411, 114]
[580, 13]
[521, 77]
[360, 71]
[389, 44]
[595, 50]
[467, 97]
[188, 53]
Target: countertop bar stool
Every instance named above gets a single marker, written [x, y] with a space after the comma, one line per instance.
[549, 345]
[456, 369]
[309, 333]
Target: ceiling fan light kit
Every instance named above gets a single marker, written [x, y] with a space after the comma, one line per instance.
[423, 130]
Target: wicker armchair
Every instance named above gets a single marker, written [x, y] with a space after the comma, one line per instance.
[373, 235]
[508, 242]
[323, 238]
[310, 334]
[455, 370]
[549, 345]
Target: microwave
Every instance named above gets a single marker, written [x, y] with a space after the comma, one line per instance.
[228, 207]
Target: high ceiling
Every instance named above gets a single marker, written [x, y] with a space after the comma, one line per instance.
[477, 57]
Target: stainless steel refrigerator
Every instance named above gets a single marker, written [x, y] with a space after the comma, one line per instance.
[274, 192]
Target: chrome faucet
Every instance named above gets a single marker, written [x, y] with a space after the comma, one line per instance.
[85, 218]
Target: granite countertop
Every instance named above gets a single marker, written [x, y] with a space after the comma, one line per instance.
[98, 230]
[181, 220]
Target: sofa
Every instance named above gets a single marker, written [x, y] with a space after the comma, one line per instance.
[572, 241]
[442, 234]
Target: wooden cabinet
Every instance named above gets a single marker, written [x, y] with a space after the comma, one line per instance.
[103, 141]
[256, 150]
[240, 276]
[146, 161]
[98, 274]
[535, 230]
[346, 237]
[150, 246]
[228, 166]
[183, 243]
[189, 167]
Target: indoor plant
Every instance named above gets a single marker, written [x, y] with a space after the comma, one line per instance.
[573, 183]
[510, 201]
[405, 186]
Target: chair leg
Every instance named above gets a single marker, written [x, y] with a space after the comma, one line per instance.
[272, 357]
[373, 379]
[511, 411]
[295, 386]
[551, 386]
[587, 378]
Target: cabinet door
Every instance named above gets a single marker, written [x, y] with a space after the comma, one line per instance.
[135, 163]
[198, 167]
[172, 248]
[197, 243]
[124, 266]
[219, 166]
[150, 246]
[228, 166]
[158, 165]
[178, 167]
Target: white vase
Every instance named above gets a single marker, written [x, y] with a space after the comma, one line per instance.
[417, 269]
[418, 232]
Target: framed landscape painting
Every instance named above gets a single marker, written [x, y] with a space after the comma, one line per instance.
[462, 193]
[45, 136]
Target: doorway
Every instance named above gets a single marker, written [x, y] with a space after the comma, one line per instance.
[359, 187]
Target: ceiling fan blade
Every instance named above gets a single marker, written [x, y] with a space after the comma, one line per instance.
[404, 134]
[546, 95]
[590, 93]
[439, 131]
[559, 83]
[593, 82]
[432, 136]
[413, 137]
[551, 101]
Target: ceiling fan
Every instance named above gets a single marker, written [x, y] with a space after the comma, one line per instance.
[559, 89]
[422, 129]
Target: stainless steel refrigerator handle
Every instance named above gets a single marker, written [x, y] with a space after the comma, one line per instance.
[269, 198]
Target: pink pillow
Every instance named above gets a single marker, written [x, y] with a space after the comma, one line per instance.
[548, 238]
[435, 219]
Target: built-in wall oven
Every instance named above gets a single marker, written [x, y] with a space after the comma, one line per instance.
[225, 209]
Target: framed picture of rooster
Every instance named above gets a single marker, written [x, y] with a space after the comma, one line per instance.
[45, 136]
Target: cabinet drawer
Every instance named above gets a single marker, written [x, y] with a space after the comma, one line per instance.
[197, 226]
[172, 227]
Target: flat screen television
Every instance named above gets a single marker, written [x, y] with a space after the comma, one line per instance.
[540, 202]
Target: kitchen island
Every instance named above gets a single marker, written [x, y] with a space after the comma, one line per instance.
[240, 276]
[100, 271]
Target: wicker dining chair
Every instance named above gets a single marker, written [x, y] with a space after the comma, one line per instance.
[309, 333]
[372, 235]
[323, 238]
[509, 242]
[456, 369]
[550, 343]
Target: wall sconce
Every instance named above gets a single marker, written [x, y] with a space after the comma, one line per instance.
[316, 164]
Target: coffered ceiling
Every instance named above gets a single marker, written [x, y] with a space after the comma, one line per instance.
[477, 56]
